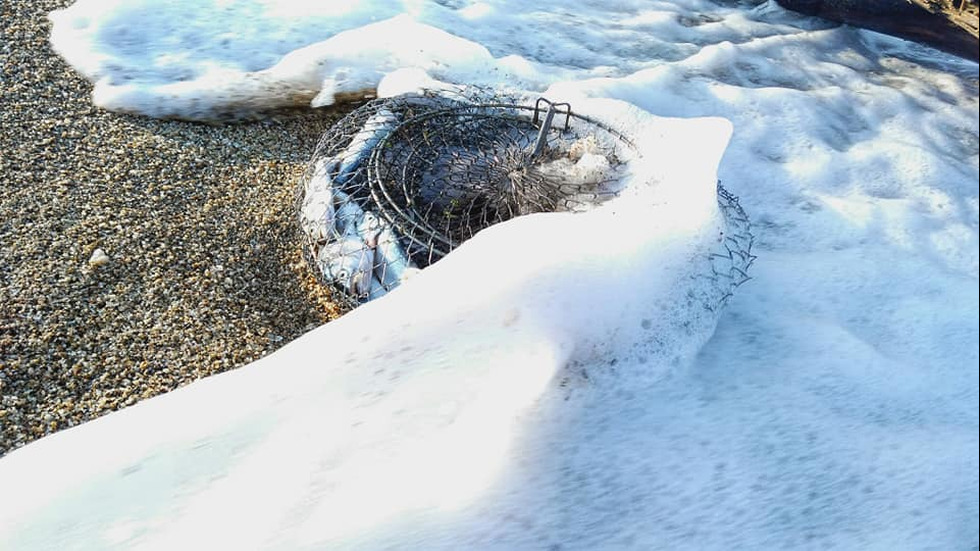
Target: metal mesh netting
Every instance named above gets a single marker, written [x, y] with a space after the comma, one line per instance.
[400, 182]
[730, 263]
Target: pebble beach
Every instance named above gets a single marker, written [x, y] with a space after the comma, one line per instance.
[136, 255]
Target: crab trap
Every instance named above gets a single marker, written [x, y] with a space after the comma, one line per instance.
[400, 182]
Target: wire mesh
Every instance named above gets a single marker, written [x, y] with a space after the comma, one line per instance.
[729, 264]
[400, 182]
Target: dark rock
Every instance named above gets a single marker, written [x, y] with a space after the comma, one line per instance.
[900, 18]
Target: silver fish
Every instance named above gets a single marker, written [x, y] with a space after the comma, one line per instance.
[349, 263]
[391, 264]
[348, 161]
[390, 261]
[377, 289]
[318, 212]
[383, 264]
[346, 259]
[349, 216]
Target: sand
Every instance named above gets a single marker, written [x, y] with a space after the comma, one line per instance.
[202, 270]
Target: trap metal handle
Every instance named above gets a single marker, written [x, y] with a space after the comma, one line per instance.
[546, 124]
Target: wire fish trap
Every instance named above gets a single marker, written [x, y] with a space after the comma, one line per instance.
[400, 182]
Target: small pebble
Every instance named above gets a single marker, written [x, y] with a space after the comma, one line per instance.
[98, 258]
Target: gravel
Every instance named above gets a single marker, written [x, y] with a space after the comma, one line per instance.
[136, 255]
